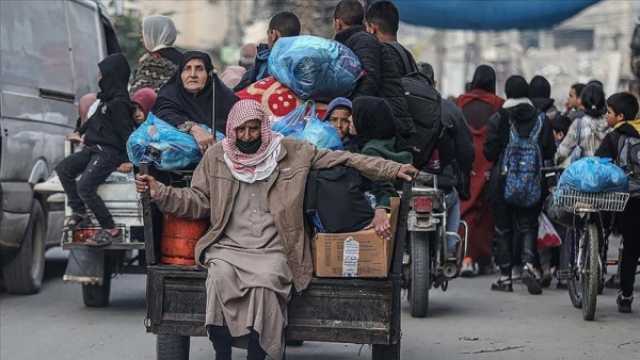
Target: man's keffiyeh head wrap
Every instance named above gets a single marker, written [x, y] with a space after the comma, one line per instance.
[260, 165]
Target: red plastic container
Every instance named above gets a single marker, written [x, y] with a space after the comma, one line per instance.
[179, 238]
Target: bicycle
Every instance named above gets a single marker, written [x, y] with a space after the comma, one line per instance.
[587, 256]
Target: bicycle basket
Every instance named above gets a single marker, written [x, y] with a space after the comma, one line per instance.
[574, 200]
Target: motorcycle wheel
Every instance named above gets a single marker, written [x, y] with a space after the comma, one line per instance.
[420, 274]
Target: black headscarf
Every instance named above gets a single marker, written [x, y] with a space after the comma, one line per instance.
[114, 71]
[484, 78]
[539, 87]
[373, 118]
[176, 105]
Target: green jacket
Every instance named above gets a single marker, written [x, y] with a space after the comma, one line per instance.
[383, 191]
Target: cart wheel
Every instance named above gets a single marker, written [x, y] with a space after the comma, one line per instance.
[98, 295]
[420, 274]
[385, 352]
[295, 343]
[172, 347]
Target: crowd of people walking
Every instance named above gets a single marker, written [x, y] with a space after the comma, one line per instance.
[259, 256]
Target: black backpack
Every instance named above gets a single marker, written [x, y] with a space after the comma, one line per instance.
[424, 105]
[334, 200]
[629, 161]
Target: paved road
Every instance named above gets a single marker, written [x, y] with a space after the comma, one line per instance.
[467, 322]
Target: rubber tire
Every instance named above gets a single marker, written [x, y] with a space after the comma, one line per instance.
[385, 352]
[23, 269]
[172, 347]
[573, 285]
[420, 274]
[294, 343]
[591, 280]
[97, 296]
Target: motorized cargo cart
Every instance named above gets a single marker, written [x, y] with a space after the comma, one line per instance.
[341, 310]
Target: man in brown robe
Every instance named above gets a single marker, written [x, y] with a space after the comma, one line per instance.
[251, 186]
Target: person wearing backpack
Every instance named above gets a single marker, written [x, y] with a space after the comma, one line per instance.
[585, 133]
[519, 143]
[452, 159]
[623, 146]
[381, 74]
[418, 128]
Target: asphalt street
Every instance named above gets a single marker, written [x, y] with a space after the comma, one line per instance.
[467, 322]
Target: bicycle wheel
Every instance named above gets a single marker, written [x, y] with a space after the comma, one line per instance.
[570, 255]
[591, 273]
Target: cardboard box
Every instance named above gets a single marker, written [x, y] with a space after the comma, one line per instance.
[359, 254]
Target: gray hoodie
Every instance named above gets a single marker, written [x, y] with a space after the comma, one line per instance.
[592, 132]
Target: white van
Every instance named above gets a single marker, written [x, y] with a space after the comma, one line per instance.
[49, 51]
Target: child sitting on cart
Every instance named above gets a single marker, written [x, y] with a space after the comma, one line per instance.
[104, 136]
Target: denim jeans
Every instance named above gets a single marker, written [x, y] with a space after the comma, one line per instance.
[453, 218]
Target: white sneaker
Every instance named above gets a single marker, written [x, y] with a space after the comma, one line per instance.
[516, 272]
[52, 185]
[469, 268]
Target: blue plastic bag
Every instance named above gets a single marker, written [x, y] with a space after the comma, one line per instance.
[303, 123]
[292, 124]
[593, 174]
[178, 150]
[321, 133]
[314, 67]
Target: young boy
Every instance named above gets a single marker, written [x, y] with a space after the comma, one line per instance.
[339, 114]
[104, 135]
[623, 145]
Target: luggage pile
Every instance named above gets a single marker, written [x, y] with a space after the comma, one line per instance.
[307, 71]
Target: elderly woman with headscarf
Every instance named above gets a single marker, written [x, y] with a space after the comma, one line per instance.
[251, 187]
[478, 105]
[161, 61]
[186, 101]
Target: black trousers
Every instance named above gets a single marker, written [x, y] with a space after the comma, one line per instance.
[93, 165]
[628, 225]
[516, 236]
[222, 340]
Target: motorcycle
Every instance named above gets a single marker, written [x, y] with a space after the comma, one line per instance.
[427, 263]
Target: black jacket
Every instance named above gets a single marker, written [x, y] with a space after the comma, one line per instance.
[391, 89]
[455, 149]
[524, 117]
[111, 123]
[611, 143]
[369, 51]
[110, 126]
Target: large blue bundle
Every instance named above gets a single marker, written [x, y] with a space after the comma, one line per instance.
[178, 150]
[594, 174]
[314, 68]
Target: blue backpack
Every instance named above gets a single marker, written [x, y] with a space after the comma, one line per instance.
[522, 163]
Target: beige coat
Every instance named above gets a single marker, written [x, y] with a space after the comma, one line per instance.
[213, 191]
